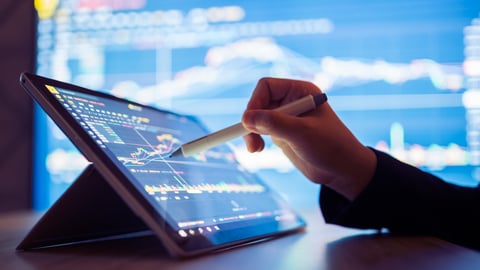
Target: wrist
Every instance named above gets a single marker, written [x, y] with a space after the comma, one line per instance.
[356, 174]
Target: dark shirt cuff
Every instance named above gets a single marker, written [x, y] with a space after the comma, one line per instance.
[405, 199]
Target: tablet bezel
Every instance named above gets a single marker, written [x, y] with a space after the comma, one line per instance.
[36, 87]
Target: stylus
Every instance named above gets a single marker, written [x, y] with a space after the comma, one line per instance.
[296, 107]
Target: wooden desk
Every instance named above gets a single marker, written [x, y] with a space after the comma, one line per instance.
[322, 246]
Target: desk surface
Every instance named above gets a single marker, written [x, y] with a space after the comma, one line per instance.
[322, 246]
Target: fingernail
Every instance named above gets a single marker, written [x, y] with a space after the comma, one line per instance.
[249, 121]
[255, 120]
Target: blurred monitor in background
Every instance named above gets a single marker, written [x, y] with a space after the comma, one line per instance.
[403, 75]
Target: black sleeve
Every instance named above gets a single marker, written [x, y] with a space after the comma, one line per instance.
[404, 199]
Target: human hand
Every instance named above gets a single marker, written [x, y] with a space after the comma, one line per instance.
[317, 143]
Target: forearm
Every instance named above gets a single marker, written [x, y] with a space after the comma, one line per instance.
[405, 199]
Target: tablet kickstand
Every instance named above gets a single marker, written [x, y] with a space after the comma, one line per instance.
[88, 210]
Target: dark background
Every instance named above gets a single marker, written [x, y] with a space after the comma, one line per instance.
[17, 24]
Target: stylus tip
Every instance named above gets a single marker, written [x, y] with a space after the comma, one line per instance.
[176, 153]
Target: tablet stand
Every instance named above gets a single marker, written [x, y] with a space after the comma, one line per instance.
[89, 210]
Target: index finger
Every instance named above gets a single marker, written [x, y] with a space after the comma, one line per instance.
[271, 93]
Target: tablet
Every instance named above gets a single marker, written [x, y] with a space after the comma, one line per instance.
[204, 203]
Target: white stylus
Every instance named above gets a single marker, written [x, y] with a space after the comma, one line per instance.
[296, 107]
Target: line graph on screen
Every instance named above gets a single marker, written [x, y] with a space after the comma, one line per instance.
[146, 153]
[147, 148]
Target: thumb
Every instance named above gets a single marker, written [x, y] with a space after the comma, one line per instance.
[269, 122]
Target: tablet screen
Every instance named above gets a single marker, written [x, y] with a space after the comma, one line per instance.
[209, 197]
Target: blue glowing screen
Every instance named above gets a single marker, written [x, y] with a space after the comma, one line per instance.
[403, 75]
